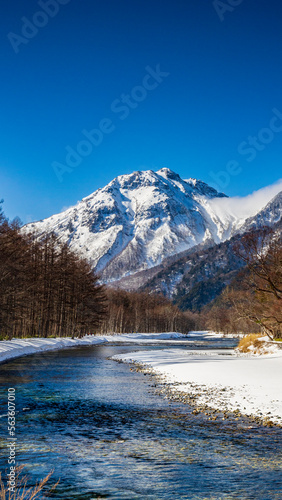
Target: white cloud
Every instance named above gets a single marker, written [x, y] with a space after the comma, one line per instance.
[247, 206]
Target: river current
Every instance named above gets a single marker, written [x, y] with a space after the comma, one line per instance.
[106, 433]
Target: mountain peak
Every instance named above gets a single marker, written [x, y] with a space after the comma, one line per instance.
[138, 220]
[168, 174]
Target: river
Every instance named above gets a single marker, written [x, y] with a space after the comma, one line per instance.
[107, 433]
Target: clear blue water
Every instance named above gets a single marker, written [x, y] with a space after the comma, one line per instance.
[108, 434]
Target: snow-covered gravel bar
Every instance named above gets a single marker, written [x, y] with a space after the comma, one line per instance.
[249, 385]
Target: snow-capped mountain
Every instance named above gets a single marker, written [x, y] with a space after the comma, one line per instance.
[138, 220]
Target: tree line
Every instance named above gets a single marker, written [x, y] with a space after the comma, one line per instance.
[45, 289]
[48, 290]
[144, 312]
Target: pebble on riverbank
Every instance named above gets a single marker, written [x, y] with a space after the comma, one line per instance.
[169, 390]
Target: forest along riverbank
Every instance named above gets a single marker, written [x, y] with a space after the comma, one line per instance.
[217, 382]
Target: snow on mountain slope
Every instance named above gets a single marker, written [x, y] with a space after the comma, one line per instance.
[138, 220]
[268, 216]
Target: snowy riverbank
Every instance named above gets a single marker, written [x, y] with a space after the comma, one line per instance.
[22, 347]
[219, 379]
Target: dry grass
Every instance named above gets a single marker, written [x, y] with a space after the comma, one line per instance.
[251, 343]
[21, 492]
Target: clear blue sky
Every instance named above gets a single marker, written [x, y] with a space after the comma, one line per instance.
[224, 80]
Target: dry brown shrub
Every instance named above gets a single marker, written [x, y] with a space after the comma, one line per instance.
[21, 491]
[250, 343]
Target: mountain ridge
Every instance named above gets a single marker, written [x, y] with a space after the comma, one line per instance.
[139, 220]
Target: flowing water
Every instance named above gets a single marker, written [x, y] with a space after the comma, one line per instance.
[108, 434]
